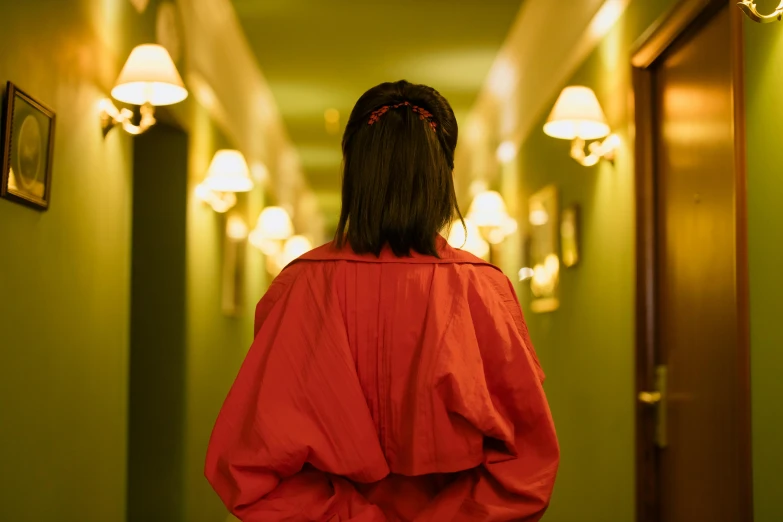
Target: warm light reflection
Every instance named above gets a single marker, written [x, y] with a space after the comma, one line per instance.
[274, 226]
[506, 152]
[236, 228]
[275, 223]
[488, 212]
[332, 121]
[545, 276]
[268, 247]
[477, 186]
[538, 214]
[219, 201]
[606, 17]
[260, 172]
[468, 238]
[294, 247]
[502, 79]
[203, 92]
[488, 209]
[526, 273]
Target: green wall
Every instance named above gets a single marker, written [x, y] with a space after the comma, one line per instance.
[587, 346]
[217, 343]
[158, 346]
[64, 274]
[763, 86]
[65, 289]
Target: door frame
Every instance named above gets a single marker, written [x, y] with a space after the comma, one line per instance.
[685, 17]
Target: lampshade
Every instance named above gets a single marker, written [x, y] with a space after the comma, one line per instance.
[229, 172]
[295, 246]
[274, 224]
[149, 76]
[488, 210]
[468, 238]
[577, 114]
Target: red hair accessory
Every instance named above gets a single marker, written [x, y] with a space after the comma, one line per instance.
[424, 114]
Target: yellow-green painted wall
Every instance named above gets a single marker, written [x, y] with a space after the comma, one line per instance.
[65, 284]
[763, 86]
[217, 343]
[64, 274]
[587, 346]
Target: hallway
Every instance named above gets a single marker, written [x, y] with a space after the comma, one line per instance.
[626, 184]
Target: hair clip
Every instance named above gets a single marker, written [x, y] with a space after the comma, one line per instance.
[424, 114]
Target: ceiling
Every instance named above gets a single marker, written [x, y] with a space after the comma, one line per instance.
[323, 54]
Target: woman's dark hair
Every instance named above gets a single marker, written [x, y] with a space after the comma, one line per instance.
[398, 186]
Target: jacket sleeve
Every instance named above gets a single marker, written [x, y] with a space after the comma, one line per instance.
[521, 454]
[295, 424]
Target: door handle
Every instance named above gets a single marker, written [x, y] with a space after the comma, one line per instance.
[658, 400]
[650, 398]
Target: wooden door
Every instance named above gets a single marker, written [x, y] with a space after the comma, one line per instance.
[693, 405]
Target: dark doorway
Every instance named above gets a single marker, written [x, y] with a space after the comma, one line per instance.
[158, 338]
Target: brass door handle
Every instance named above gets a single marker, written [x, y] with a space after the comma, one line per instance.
[650, 398]
[658, 400]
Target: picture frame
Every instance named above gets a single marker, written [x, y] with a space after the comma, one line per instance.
[569, 236]
[234, 249]
[544, 258]
[28, 149]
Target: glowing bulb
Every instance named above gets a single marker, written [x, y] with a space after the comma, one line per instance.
[468, 238]
[488, 210]
[332, 121]
[275, 223]
[295, 247]
[236, 228]
[260, 172]
[538, 215]
[606, 17]
[526, 273]
[506, 152]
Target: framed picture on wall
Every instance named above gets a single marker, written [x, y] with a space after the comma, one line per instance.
[28, 147]
[544, 221]
[234, 246]
[569, 235]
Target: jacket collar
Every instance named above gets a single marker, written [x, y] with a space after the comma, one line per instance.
[448, 255]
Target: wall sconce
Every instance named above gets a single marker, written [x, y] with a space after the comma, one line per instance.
[577, 116]
[468, 238]
[294, 247]
[148, 79]
[749, 8]
[274, 236]
[233, 265]
[228, 174]
[236, 229]
[273, 228]
[488, 213]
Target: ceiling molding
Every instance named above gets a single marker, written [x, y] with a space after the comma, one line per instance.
[226, 79]
[547, 44]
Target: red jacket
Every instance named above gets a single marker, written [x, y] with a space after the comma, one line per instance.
[387, 389]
